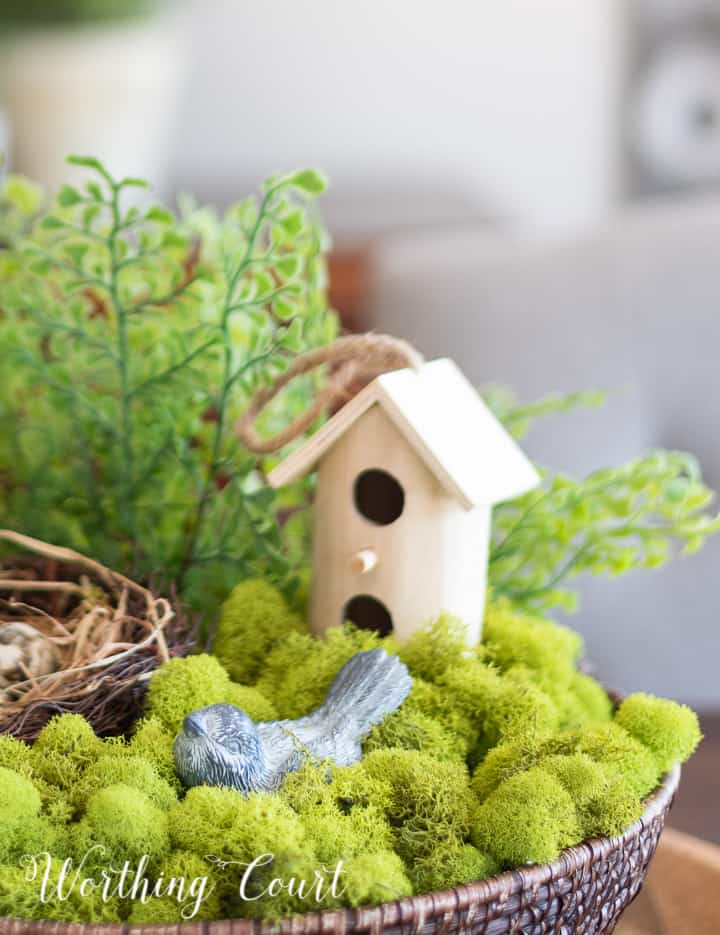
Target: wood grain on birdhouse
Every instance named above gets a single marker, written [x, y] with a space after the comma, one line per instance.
[408, 472]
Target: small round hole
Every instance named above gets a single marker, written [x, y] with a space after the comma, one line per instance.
[379, 497]
[368, 613]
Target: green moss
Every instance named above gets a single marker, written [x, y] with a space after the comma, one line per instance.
[56, 802]
[343, 810]
[18, 796]
[435, 701]
[298, 671]
[610, 812]
[583, 778]
[293, 869]
[345, 788]
[500, 764]
[430, 650]
[670, 731]
[309, 786]
[529, 818]
[375, 878]
[410, 730]
[20, 898]
[155, 911]
[29, 834]
[88, 907]
[473, 686]
[153, 742]
[125, 822]
[592, 696]
[251, 701]
[183, 685]
[16, 755]
[336, 835]
[450, 864]
[186, 866]
[502, 708]
[65, 747]
[430, 800]
[222, 822]
[253, 619]
[551, 767]
[520, 710]
[134, 771]
[23, 829]
[622, 755]
[511, 638]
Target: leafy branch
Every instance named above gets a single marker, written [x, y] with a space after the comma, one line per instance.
[137, 336]
[610, 522]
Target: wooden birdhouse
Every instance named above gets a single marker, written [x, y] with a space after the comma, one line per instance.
[408, 472]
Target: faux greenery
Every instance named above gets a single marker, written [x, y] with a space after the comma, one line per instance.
[66, 12]
[607, 523]
[499, 757]
[131, 340]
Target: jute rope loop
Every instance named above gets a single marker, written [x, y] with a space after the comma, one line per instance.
[355, 360]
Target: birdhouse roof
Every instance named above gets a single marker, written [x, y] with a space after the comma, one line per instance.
[443, 418]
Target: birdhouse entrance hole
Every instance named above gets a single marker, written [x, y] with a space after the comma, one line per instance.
[379, 497]
[368, 613]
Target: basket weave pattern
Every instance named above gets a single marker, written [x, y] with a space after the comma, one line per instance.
[583, 892]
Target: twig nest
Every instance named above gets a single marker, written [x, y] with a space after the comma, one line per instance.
[25, 654]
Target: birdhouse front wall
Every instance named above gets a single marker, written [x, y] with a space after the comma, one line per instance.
[431, 558]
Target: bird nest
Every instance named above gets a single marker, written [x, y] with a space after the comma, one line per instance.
[76, 637]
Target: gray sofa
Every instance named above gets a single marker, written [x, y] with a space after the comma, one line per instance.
[634, 309]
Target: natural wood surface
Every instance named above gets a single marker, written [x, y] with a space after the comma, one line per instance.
[432, 407]
[418, 571]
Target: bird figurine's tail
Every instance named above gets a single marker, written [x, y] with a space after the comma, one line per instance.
[369, 686]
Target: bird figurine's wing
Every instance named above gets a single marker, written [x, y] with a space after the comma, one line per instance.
[287, 743]
[369, 686]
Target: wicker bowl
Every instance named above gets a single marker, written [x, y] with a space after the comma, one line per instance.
[583, 892]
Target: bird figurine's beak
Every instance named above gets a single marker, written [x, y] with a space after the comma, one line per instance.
[194, 725]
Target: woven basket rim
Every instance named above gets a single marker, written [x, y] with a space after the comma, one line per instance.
[414, 909]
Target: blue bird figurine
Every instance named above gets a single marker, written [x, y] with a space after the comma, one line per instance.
[221, 746]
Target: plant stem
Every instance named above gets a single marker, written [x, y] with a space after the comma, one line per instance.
[228, 379]
[123, 353]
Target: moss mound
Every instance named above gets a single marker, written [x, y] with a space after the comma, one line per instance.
[221, 822]
[298, 672]
[15, 755]
[433, 649]
[18, 796]
[66, 745]
[670, 731]
[500, 756]
[253, 619]
[127, 770]
[125, 823]
[183, 685]
[153, 742]
[448, 865]
[529, 818]
[376, 878]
